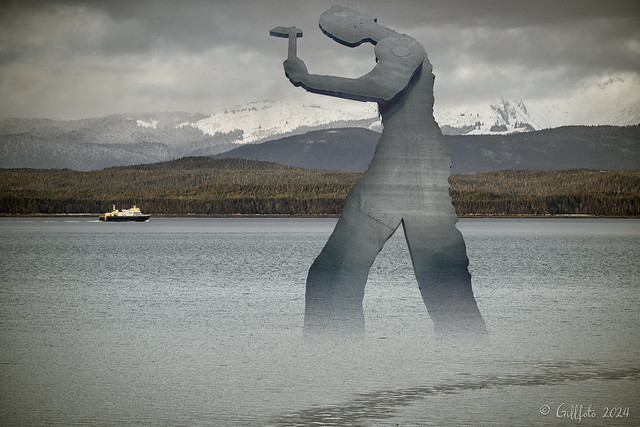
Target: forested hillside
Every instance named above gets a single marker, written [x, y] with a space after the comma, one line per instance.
[567, 192]
[194, 185]
[205, 186]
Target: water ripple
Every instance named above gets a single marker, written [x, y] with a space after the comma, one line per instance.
[384, 404]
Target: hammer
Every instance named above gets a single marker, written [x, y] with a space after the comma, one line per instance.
[291, 33]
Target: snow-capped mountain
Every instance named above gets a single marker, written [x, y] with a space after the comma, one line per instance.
[264, 120]
[608, 102]
[124, 139]
[611, 101]
[498, 117]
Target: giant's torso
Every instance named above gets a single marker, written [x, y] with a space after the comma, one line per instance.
[409, 173]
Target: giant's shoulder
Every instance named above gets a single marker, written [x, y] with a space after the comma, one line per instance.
[400, 50]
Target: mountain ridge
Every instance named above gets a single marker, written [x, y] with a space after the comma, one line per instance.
[570, 147]
[133, 138]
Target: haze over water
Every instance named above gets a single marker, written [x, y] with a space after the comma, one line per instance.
[199, 321]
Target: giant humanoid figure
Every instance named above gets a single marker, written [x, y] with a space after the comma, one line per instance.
[406, 183]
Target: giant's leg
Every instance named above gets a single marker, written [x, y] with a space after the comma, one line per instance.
[336, 280]
[440, 263]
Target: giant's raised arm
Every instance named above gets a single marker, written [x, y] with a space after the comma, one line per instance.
[376, 86]
[399, 60]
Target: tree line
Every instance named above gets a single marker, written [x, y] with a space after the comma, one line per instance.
[205, 186]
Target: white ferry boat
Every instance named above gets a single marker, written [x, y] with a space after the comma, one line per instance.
[132, 214]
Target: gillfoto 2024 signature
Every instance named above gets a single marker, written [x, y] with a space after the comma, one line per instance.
[579, 412]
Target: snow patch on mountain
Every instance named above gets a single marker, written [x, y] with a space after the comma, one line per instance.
[260, 121]
[153, 124]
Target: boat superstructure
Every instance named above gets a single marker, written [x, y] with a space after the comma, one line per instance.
[121, 215]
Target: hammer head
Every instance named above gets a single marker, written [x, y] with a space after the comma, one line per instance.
[286, 32]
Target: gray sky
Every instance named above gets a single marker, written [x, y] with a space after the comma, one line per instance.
[73, 59]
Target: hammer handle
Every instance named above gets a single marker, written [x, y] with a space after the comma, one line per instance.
[293, 42]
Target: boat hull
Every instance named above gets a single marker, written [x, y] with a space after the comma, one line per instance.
[138, 218]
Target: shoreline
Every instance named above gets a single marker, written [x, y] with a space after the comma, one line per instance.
[479, 216]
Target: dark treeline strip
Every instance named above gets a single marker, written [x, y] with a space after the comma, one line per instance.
[534, 192]
[205, 186]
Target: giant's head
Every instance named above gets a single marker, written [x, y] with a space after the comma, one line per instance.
[349, 25]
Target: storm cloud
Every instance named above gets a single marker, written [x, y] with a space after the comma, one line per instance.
[73, 59]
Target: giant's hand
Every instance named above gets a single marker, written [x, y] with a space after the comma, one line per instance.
[296, 70]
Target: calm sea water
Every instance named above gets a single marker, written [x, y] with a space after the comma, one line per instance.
[199, 322]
